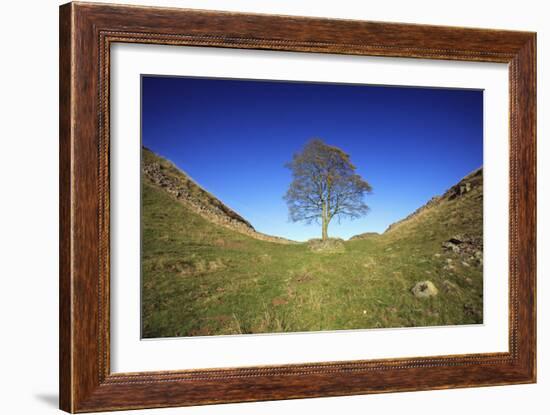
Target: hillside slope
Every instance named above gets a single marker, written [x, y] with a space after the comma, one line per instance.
[453, 221]
[205, 276]
[460, 206]
[162, 173]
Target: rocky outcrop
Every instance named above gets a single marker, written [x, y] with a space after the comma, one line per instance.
[464, 244]
[179, 185]
[466, 185]
[468, 248]
[184, 189]
[327, 246]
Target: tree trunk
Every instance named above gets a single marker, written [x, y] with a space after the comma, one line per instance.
[325, 229]
[325, 222]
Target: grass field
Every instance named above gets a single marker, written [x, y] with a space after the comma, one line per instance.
[200, 278]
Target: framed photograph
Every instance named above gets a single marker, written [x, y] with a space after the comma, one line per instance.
[259, 207]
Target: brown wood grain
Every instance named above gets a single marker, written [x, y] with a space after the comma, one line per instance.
[86, 33]
[65, 246]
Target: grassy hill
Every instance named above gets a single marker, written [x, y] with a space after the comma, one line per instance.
[206, 271]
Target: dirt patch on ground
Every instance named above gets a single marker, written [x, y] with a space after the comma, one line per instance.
[303, 278]
[279, 301]
[200, 331]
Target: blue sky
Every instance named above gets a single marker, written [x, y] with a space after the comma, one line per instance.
[234, 137]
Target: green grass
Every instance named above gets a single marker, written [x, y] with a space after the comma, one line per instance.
[199, 278]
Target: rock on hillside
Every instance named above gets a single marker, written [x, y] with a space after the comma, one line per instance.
[165, 175]
[328, 246]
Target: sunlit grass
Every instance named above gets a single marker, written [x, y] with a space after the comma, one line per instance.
[199, 278]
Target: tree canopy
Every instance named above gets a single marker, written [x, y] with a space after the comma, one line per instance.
[324, 186]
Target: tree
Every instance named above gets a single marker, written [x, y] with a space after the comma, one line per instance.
[324, 186]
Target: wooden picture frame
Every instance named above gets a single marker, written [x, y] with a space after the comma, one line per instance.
[86, 33]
